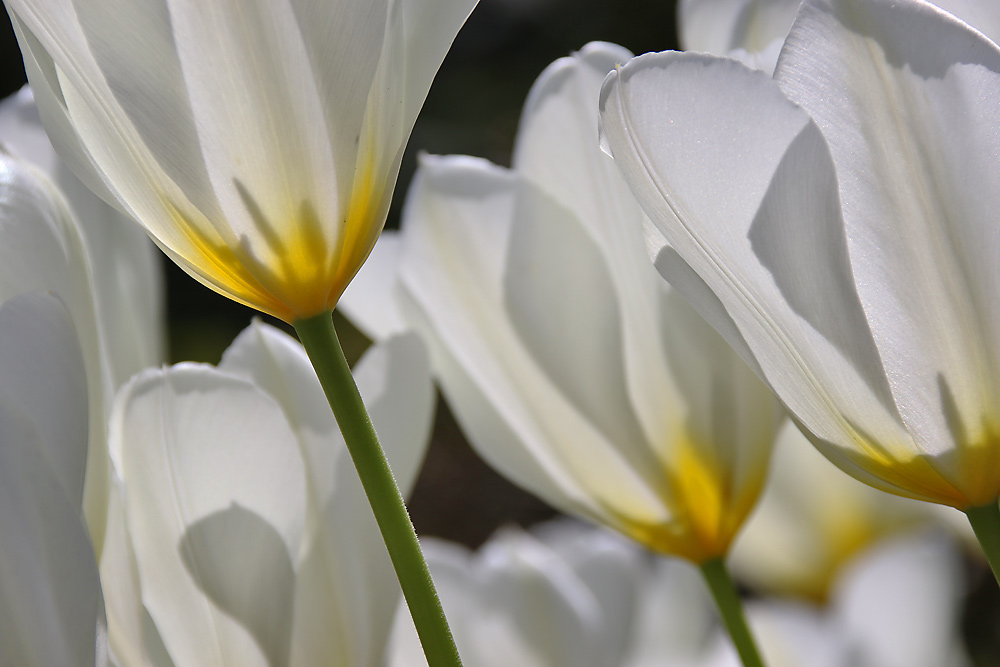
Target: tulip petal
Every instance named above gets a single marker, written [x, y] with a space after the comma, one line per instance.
[555, 615]
[611, 567]
[369, 302]
[50, 595]
[722, 26]
[812, 520]
[919, 209]
[47, 389]
[41, 250]
[430, 27]
[675, 617]
[126, 267]
[557, 150]
[215, 505]
[671, 121]
[358, 585]
[550, 262]
[900, 604]
[983, 16]
[460, 214]
[346, 588]
[46, 91]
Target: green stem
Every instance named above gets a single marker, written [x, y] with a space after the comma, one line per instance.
[985, 522]
[731, 609]
[319, 338]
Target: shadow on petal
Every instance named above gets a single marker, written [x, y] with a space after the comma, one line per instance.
[240, 562]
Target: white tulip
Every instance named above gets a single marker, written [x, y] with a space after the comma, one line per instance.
[247, 538]
[842, 215]
[258, 143]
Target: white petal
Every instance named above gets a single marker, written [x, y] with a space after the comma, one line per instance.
[255, 104]
[44, 382]
[22, 133]
[675, 618]
[901, 604]
[557, 150]
[791, 634]
[554, 614]
[911, 131]
[394, 380]
[983, 16]
[358, 586]
[721, 26]
[516, 602]
[50, 595]
[346, 587]
[611, 566]
[126, 267]
[551, 263]
[47, 93]
[813, 519]
[120, 580]
[370, 300]
[41, 250]
[430, 27]
[276, 363]
[671, 121]
[459, 215]
[215, 505]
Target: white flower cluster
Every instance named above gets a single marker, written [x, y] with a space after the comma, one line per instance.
[793, 218]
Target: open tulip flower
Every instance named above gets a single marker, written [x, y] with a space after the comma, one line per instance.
[843, 216]
[258, 143]
[240, 533]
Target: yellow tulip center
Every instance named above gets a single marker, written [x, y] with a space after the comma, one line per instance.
[297, 274]
[706, 510]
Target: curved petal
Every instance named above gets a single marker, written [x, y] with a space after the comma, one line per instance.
[126, 267]
[813, 520]
[901, 604]
[45, 384]
[557, 150]
[459, 218]
[514, 602]
[215, 507]
[611, 567]
[429, 28]
[258, 143]
[41, 250]
[346, 588]
[911, 132]
[675, 618]
[50, 594]
[773, 250]
[369, 302]
[983, 16]
[722, 26]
